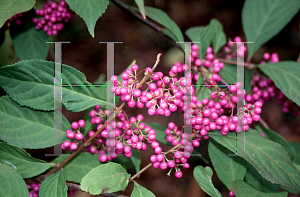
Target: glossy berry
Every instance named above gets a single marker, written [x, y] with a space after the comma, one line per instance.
[75, 125]
[178, 174]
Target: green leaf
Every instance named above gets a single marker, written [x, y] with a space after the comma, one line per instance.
[11, 183]
[242, 189]
[202, 35]
[203, 178]
[79, 166]
[136, 159]
[21, 161]
[229, 72]
[296, 160]
[160, 132]
[30, 83]
[204, 93]
[89, 11]
[256, 180]
[140, 4]
[219, 37]
[263, 19]
[140, 191]
[228, 168]
[162, 18]
[272, 135]
[110, 177]
[27, 128]
[31, 44]
[9, 8]
[285, 74]
[54, 185]
[270, 159]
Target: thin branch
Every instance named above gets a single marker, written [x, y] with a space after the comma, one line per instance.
[118, 110]
[147, 22]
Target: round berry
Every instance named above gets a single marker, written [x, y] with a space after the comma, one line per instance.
[73, 146]
[75, 125]
[178, 174]
[79, 136]
[81, 123]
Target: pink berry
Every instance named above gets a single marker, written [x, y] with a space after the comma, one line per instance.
[103, 157]
[163, 165]
[74, 125]
[73, 146]
[160, 157]
[156, 164]
[66, 144]
[178, 174]
[231, 194]
[158, 150]
[81, 123]
[71, 135]
[171, 164]
[79, 136]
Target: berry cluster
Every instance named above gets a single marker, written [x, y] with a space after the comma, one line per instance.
[76, 137]
[14, 19]
[288, 105]
[263, 89]
[231, 48]
[33, 189]
[52, 17]
[213, 65]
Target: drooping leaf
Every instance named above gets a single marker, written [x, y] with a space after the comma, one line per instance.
[228, 168]
[21, 161]
[263, 19]
[285, 74]
[89, 11]
[269, 158]
[140, 4]
[203, 178]
[219, 37]
[31, 84]
[26, 128]
[79, 166]
[136, 159]
[54, 185]
[242, 189]
[229, 72]
[256, 180]
[11, 183]
[276, 138]
[31, 44]
[162, 18]
[140, 191]
[110, 177]
[204, 35]
[9, 8]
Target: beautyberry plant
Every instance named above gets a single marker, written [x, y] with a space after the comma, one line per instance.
[218, 91]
